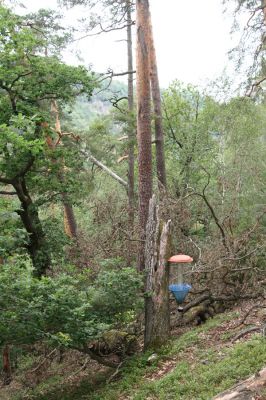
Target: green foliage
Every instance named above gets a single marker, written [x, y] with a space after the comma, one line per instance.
[63, 310]
[115, 289]
[190, 143]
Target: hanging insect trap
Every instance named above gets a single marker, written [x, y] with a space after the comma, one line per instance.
[180, 289]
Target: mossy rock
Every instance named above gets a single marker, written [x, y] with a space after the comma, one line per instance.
[115, 342]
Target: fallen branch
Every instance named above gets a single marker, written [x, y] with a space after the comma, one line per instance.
[196, 302]
[248, 312]
[43, 361]
[251, 388]
[245, 332]
[111, 378]
[80, 369]
[106, 169]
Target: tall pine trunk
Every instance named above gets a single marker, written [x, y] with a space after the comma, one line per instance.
[143, 122]
[131, 132]
[157, 109]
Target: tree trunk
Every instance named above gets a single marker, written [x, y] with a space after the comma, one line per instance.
[131, 132]
[28, 213]
[263, 5]
[143, 121]
[70, 225]
[6, 366]
[157, 108]
[157, 252]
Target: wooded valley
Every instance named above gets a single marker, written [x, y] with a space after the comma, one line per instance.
[132, 242]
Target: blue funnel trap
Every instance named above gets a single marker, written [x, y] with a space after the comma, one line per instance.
[180, 291]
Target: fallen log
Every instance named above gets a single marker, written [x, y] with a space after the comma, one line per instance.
[250, 389]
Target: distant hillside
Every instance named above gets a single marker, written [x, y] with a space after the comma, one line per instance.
[84, 111]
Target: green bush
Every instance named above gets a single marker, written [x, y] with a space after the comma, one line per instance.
[62, 309]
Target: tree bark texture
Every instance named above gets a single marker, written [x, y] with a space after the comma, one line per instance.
[250, 389]
[70, 224]
[37, 246]
[157, 109]
[263, 5]
[143, 121]
[157, 252]
[131, 131]
[6, 366]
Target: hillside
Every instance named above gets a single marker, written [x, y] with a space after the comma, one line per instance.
[83, 112]
[197, 364]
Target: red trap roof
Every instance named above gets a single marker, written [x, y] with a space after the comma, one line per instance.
[180, 258]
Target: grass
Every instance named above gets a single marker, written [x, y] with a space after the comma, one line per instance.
[199, 370]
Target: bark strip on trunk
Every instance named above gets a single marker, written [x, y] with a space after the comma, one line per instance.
[70, 224]
[131, 131]
[157, 252]
[143, 121]
[157, 109]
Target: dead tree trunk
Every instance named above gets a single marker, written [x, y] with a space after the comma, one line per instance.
[157, 108]
[143, 121]
[157, 252]
[70, 225]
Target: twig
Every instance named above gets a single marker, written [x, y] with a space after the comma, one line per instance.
[245, 332]
[43, 361]
[248, 312]
[115, 373]
[80, 369]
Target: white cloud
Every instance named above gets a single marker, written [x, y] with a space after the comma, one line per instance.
[191, 37]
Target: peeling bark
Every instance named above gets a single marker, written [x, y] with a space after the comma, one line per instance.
[157, 252]
[157, 108]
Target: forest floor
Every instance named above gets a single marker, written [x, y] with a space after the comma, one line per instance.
[197, 364]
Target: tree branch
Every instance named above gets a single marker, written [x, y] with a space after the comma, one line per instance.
[6, 193]
[105, 168]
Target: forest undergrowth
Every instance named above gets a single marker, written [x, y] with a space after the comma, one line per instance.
[198, 363]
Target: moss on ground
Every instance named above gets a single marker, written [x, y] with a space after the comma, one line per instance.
[199, 368]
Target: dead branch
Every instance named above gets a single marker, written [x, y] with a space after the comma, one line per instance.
[80, 369]
[105, 168]
[111, 378]
[122, 158]
[6, 193]
[43, 361]
[255, 85]
[196, 302]
[248, 313]
[245, 332]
